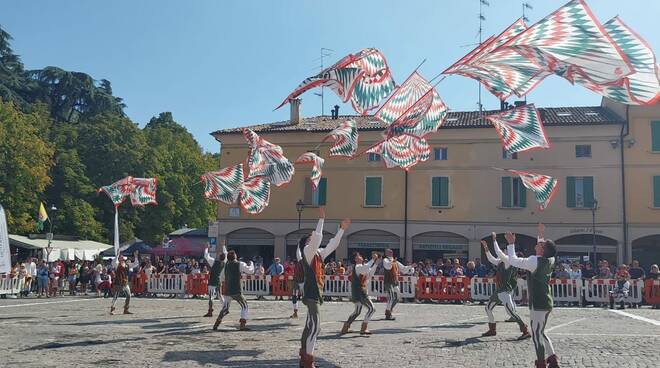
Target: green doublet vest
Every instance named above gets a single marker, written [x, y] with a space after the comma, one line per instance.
[538, 283]
[358, 286]
[214, 276]
[232, 278]
[505, 278]
[314, 280]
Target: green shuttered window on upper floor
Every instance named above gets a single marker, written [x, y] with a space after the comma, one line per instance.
[440, 191]
[655, 136]
[373, 191]
[656, 191]
[579, 191]
[514, 193]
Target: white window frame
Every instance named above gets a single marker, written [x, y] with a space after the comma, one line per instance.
[371, 154]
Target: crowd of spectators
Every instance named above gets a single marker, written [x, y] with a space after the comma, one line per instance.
[84, 277]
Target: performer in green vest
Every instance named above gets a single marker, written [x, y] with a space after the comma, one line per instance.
[231, 275]
[121, 280]
[313, 258]
[392, 270]
[539, 269]
[214, 277]
[360, 277]
[505, 281]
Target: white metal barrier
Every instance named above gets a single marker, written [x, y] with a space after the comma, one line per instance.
[10, 285]
[481, 288]
[566, 290]
[407, 286]
[337, 286]
[255, 285]
[167, 284]
[598, 291]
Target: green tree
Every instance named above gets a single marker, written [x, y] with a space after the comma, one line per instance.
[25, 158]
[177, 160]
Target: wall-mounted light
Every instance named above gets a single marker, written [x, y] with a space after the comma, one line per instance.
[631, 142]
[614, 143]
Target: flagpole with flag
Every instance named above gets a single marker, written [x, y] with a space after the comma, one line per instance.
[5, 254]
[42, 217]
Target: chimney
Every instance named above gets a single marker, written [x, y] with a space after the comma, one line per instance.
[335, 113]
[295, 111]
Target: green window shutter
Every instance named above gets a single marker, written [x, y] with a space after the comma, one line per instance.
[570, 191]
[506, 192]
[522, 194]
[373, 191]
[656, 191]
[588, 191]
[655, 136]
[308, 198]
[435, 191]
[444, 191]
[323, 187]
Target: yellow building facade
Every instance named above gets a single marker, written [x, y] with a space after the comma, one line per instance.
[443, 207]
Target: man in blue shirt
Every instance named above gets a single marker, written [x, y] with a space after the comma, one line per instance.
[480, 269]
[276, 268]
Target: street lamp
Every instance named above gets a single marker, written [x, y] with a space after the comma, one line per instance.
[594, 207]
[300, 206]
[49, 236]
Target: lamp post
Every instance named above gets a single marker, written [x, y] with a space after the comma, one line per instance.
[49, 236]
[300, 206]
[594, 207]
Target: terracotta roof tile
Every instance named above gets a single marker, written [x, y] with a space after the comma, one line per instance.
[552, 116]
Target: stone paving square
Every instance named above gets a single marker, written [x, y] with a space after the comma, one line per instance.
[79, 332]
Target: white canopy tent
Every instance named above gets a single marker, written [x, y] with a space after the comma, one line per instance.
[86, 250]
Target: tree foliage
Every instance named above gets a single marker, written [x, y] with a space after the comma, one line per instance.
[63, 135]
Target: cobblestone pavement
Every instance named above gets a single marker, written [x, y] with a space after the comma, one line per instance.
[79, 332]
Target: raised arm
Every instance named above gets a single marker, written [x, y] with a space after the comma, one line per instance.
[298, 254]
[489, 256]
[315, 239]
[373, 267]
[210, 260]
[334, 242]
[529, 263]
[500, 254]
[115, 262]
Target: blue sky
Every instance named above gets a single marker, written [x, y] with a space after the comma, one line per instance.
[218, 64]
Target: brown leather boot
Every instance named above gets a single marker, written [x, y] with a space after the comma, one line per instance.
[363, 329]
[126, 311]
[307, 361]
[540, 364]
[525, 333]
[552, 361]
[209, 313]
[344, 329]
[388, 316]
[242, 326]
[112, 311]
[492, 331]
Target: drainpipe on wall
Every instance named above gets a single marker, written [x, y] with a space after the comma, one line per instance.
[626, 254]
[405, 216]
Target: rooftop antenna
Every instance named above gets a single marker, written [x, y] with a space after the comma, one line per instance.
[482, 19]
[526, 5]
[325, 52]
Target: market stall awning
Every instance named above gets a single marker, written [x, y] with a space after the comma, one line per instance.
[86, 250]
